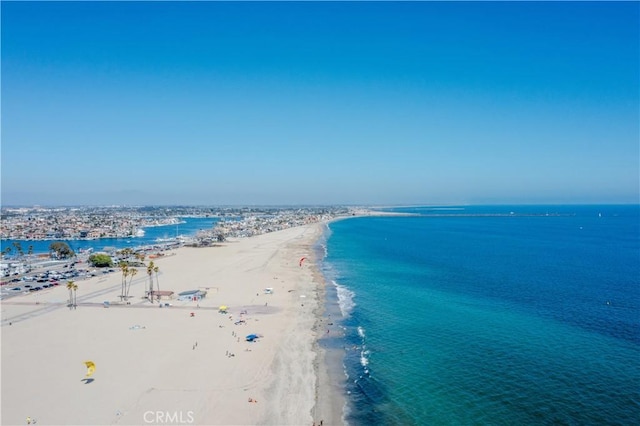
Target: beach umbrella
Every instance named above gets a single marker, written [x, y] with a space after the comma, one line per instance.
[223, 308]
[251, 337]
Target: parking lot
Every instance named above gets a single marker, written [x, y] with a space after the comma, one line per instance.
[48, 274]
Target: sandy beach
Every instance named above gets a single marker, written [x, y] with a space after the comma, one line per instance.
[181, 364]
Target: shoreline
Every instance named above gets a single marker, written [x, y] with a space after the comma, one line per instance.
[297, 373]
[154, 362]
[331, 403]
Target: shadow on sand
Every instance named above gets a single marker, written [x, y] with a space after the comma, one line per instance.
[87, 381]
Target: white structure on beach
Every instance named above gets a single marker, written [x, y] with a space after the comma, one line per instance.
[192, 295]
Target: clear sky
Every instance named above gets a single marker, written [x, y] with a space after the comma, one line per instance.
[214, 103]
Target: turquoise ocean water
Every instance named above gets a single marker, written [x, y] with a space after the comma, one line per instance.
[461, 317]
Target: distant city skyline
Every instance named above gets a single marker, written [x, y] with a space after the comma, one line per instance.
[319, 103]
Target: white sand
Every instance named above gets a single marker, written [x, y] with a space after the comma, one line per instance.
[155, 373]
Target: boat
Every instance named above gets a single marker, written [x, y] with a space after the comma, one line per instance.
[166, 240]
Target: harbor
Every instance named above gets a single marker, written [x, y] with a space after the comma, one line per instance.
[157, 232]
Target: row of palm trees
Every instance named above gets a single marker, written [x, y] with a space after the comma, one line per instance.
[18, 247]
[19, 251]
[130, 272]
[127, 272]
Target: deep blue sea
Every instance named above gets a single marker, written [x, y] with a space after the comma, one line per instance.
[189, 226]
[461, 317]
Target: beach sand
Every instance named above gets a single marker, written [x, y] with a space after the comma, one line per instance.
[185, 363]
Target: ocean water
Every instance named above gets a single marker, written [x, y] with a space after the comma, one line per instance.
[189, 226]
[498, 315]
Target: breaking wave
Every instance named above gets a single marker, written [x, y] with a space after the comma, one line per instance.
[345, 299]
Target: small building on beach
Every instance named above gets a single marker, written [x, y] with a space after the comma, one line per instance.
[194, 295]
[162, 294]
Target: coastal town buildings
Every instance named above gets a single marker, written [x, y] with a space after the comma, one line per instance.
[40, 223]
[77, 223]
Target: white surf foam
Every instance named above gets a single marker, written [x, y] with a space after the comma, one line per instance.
[364, 359]
[361, 332]
[345, 299]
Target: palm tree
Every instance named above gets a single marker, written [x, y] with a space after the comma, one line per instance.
[156, 269]
[132, 273]
[72, 287]
[150, 268]
[125, 253]
[30, 253]
[18, 247]
[125, 272]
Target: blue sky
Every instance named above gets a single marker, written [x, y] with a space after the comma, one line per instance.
[320, 103]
